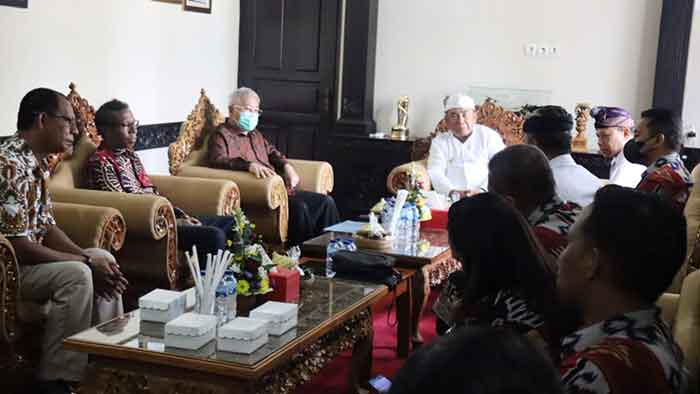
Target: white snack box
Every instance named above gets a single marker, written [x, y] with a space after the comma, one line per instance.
[281, 316]
[242, 335]
[162, 305]
[190, 331]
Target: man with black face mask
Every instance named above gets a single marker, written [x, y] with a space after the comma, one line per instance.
[656, 144]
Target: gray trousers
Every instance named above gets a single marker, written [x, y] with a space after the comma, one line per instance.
[67, 287]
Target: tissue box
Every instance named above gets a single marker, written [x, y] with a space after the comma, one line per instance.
[242, 335]
[285, 285]
[162, 305]
[438, 221]
[279, 315]
[190, 331]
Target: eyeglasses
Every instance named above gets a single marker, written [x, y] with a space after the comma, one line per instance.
[247, 109]
[70, 121]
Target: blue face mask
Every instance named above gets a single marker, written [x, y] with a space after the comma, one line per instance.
[247, 121]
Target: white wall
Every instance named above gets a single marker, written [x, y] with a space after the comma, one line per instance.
[151, 54]
[691, 103]
[426, 49]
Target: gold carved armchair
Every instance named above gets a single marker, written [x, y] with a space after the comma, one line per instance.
[21, 321]
[263, 200]
[508, 124]
[149, 257]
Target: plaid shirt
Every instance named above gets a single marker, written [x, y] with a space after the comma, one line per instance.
[231, 149]
[630, 353]
[669, 178]
[25, 204]
[551, 223]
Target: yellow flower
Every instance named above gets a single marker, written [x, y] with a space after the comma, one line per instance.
[243, 287]
[264, 285]
[229, 242]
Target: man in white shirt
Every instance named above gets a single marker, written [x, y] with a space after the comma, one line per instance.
[614, 128]
[549, 128]
[458, 160]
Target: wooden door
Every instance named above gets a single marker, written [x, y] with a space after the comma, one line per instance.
[288, 55]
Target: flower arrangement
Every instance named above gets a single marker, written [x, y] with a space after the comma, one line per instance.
[250, 263]
[415, 194]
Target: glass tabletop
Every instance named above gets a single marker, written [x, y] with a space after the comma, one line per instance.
[432, 243]
[320, 301]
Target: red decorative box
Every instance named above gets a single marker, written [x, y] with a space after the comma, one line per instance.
[439, 219]
[285, 284]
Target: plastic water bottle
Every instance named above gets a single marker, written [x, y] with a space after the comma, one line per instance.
[333, 246]
[220, 305]
[414, 224]
[231, 294]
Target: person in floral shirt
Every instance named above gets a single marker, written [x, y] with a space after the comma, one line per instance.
[115, 167]
[656, 144]
[521, 173]
[81, 286]
[612, 272]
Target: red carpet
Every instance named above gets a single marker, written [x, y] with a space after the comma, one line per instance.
[332, 380]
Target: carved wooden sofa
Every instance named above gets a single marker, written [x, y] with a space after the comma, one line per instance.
[149, 257]
[509, 124]
[263, 200]
[21, 321]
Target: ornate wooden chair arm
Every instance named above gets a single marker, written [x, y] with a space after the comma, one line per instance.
[91, 226]
[200, 196]
[9, 291]
[398, 178]
[315, 176]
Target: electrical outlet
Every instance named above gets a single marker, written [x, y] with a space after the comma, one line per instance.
[530, 49]
[553, 50]
[542, 50]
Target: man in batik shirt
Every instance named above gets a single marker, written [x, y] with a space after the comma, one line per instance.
[237, 145]
[80, 286]
[656, 144]
[612, 272]
[521, 174]
[115, 167]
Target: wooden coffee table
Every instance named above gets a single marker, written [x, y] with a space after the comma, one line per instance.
[432, 264]
[334, 315]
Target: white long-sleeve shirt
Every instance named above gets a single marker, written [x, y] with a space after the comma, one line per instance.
[625, 173]
[457, 165]
[574, 182]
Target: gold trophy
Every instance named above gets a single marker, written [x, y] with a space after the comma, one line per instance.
[400, 130]
[580, 144]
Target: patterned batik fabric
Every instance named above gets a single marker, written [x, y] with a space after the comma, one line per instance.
[25, 204]
[504, 309]
[121, 170]
[630, 353]
[669, 178]
[118, 170]
[551, 223]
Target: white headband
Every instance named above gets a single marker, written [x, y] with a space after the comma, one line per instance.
[459, 101]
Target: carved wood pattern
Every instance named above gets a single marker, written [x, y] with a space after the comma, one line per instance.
[113, 234]
[9, 288]
[84, 119]
[165, 227]
[203, 119]
[232, 200]
[107, 377]
[280, 201]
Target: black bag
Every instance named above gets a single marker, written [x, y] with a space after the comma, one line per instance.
[366, 266]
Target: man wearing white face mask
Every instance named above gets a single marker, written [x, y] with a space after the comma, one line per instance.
[237, 145]
[458, 160]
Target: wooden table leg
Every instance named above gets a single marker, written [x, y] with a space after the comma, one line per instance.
[404, 302]
[421, 292]
[361, 365]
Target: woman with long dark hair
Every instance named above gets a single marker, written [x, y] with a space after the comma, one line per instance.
[507, 280]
